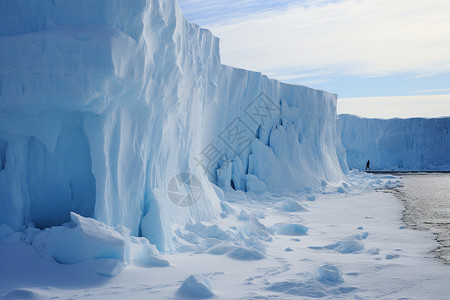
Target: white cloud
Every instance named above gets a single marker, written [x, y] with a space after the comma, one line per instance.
[354, 37]
[207, 12]
[428, 106]
[432, 91]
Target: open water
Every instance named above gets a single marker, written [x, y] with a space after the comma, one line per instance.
[427, 206]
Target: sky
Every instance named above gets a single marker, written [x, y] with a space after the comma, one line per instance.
[383, 58]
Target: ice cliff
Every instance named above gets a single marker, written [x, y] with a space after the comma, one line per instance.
[103, 103]
[397, 144]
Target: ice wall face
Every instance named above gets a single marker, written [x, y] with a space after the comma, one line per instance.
[103, 102]
[397, 144]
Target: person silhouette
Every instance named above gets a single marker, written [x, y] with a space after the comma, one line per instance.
[368, 165]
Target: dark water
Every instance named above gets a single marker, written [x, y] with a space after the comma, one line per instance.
[427, 206]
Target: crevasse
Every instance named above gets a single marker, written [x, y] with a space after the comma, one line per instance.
[103, 102]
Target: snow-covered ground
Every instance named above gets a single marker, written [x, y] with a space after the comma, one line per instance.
[328, 244]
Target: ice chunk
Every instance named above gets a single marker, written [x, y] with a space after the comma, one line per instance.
[210, 242]
[224, 176]
[253, 242]
[241, 253]
[348, 246]
[289, 205]
[227, 209]
[238, 173]
[254, 228]
[243, 216]
[373, 251]
[145, 254]
[195, 287]
[310, 197]
[330, 274]
[211, 231]
[220, 250]
[84, 239]
[351, 244]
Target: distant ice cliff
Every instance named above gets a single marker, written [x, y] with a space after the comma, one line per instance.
[397, 144]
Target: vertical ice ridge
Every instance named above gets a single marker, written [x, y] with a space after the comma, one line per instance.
[150, 95]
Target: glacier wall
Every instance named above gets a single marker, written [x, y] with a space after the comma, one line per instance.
[397, 144]
[103, 102]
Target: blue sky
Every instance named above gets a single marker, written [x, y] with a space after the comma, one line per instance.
[364, 49]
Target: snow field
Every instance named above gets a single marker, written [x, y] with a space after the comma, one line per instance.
[356, 247]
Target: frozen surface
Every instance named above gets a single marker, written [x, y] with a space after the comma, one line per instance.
[397, 144]
[356, 248]
[103, 103]
[195, 287]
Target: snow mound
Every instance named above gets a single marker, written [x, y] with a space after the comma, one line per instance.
[392, 256]
[243, 243]
[327, 281]
[144, 254]
[397, 144]
[241, 253]
[221, 249]
[351, 244]
[195, 287]
[254, 228]
[83, 239]
[290, 205]
[107, 249]
[290, 229]
[330, 274]
[208, 231]
[21, 294]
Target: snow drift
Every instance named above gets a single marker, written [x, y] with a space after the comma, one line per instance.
[397, 144]
[102, 103]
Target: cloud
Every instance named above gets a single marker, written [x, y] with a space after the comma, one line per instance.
[432, 91]
[207, 12]
[428, 106]
[352, 37]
